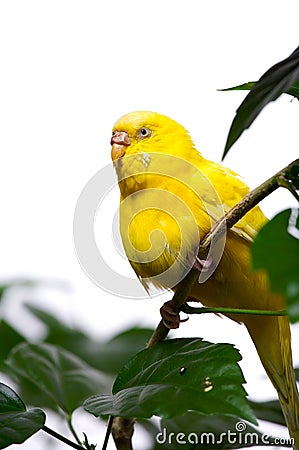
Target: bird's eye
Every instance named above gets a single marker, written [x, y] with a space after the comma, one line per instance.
[144, 132]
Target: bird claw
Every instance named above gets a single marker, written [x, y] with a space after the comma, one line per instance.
[203, 265]
[171, 318]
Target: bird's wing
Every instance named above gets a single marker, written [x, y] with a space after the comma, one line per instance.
[231, 189]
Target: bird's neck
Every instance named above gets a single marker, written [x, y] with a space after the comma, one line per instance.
[157, 171]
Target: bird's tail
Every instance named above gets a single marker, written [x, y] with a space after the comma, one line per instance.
[272, 338]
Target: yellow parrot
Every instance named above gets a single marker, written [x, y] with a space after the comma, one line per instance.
[170, 197]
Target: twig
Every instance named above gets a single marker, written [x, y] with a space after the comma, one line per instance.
[108, 432]
[257, 312]
[221, 226]
[62, 438]
[72, 430]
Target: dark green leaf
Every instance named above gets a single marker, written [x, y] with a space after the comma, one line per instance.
[3, 288]
[9, 338]
[108, 356]
[17, 424]
[278, 79]
[197, 431]
[293, 90]
[240, 87]
[61, 375]
[9, 400]
[175, 376]
[71, 339]
[33, 396]
[277, 252]
[270, 411]
[122, 347]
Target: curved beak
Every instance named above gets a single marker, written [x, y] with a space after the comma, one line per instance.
[119, 141]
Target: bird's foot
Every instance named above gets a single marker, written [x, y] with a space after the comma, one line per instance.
[171, 318]
[203, 265]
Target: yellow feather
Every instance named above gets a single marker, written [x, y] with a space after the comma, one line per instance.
[170, 198]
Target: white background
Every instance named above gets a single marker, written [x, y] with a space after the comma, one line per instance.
[68, 70]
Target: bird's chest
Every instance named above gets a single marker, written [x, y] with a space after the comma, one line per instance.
[159, 233]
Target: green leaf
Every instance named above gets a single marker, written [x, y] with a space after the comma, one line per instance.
[59, 374]
[107, 356]
[174, 377]
[33, 396]
[195, 431]
[17, 424]
[240, 87]
[122, 347]
[270, 411]
[3, 288]
[9, 338]
[293, 90]
[277, 252]
[9, 400]
[278, 79]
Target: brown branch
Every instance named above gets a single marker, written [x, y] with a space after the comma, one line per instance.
[221, 226]
[122, 432]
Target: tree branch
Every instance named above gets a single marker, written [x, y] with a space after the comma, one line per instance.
[289, 173]
[122, 432]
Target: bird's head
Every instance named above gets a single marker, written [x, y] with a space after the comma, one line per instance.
[145, 132]
[144, 143]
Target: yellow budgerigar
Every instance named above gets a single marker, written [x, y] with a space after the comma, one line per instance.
[170, 197]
